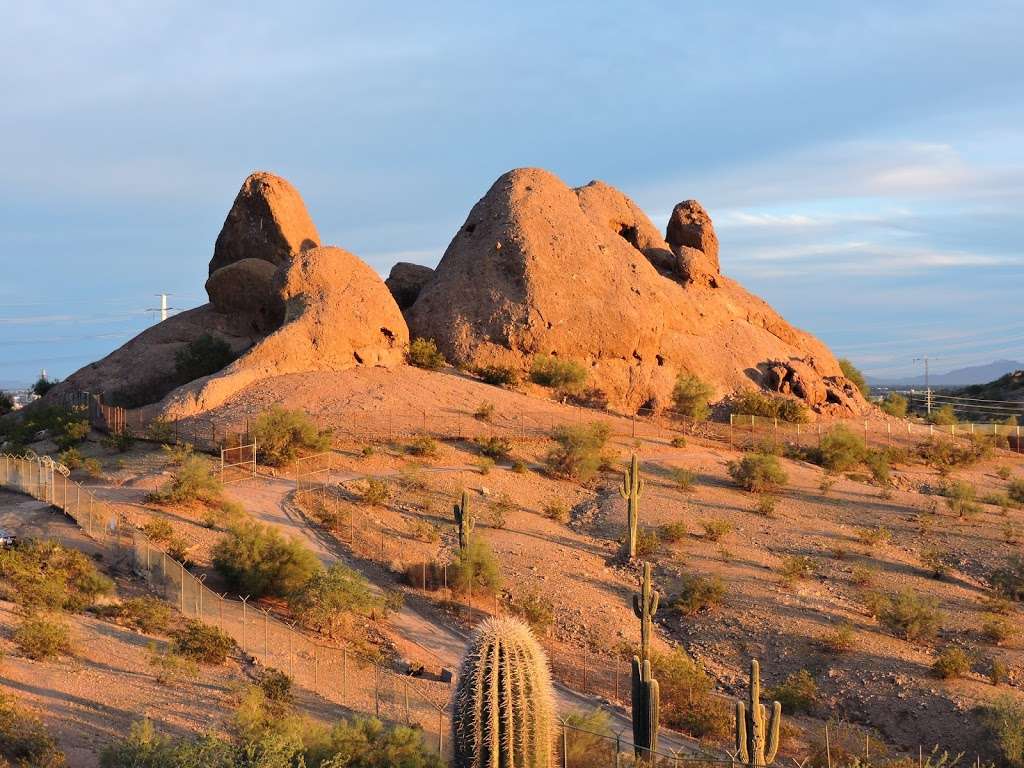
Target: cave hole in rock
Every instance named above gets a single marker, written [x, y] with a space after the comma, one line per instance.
[630, 234]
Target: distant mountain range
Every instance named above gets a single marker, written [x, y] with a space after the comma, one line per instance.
[960, 377]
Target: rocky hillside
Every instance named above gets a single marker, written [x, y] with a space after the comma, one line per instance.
[538, 269]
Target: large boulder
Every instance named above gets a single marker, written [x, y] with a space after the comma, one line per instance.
[337, 314]
[245, 289]
[539, 268]
[690, 226]
[405, 281]
[268, 221]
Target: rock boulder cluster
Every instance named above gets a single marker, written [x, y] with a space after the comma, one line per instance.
[538, 268]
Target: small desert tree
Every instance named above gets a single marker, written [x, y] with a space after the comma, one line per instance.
[851, 372]
[257, 560]
[202, 356]
[691, 396]
[578, 449]
[895, 404]
[280, 434]
[327, 601]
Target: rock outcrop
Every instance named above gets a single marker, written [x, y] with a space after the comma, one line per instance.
[539, 268]
[245, 290]
[337, 314]
[405, 281]
[268, 221]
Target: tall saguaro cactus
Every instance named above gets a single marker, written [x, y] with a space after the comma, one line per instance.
[503, 708]
[463, 520]
[632, 489]
[644, 687]
[757, 735]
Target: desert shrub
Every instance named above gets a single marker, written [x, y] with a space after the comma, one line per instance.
[43, 385]
[497, 448]
[484, 465]
[160, 430]
[578, 450]
[872, 538]
[851, 372]
[934, 559]
[590, 739]
[376, 492]
[41, 638]
[998, 629]
[203, 643]
[770, 406]
[423, 353]
[895, 404]
[171, 668]
[841, 449]
[475, 568]
[998, 672]
[684, 479]
[697, 594]
[952, 662]
[276, 686]
[1003, 472]
[1004, 720]
[484, 412]
[178, 549]
[796, 567]
[499, 509]
[943, 415]
[960, 496]
[498, 375]
[119, 442]
[200, 357]
[280, 434]
[519, 467]
[691, 396]
[671, 533]
[44, 574]
[533, 607]
[326, 602]
[757, 472]
[158, 530]
[422, 445]
[70, 458]
[24, 740]
[146, 614]
[766, 504]
[716, 529]
[93, 468]
[194, 480]
[556, 510]
[687, 701]
[1015, 490]
[368, 743]
[797, 693]
[551, 371]
[1008, 581]
[910, 615]
[258, 560]
[863, 576]
[70, 432]
[943, 455]
[647, 542]
[839, 639]
[877, 463]
[679, 441]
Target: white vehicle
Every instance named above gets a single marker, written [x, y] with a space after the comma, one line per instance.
[7, 539]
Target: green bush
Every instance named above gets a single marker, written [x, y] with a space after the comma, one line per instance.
[192, 481]
[39, 638]
[146, 614]
[24, 740]
[1004, 719]
[71, 433]
[144, 748]
[171, 668]
[1015, 490]
[376, 492]
[671, 533]
[953, 662]
[943, 416]
[684, 479]
[715, 529]
[998, 629]
[423, 353]
[943, 454]
[327, 601]
[93, 468]
[647, 542]
[475, 568]
[43, 574]
[851, 372]
[797, 693]
[578, 450]
[590, 739]
[1008, 581]
[280, 434]
[687, 699]
[697, 594]
[200, 357]
[484, 412]
[841, 449]
[257, 560]
[497, 448]
[840, 639]
[757, 472]
[158, 530]
[551, 371]
[71, 458]
[44, 385]
[895, 404]
[910, 615]
[422, 445]
[498, 375]
[533, 608]
[795, 567]
[766, 505]
[752, 403]
[368, 743]
[202, 643]
[691, 397]
[119, 442]
[556, 510]
[960, 497]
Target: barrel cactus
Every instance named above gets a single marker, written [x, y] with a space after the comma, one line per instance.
[757, 734]
[631, 490]
[503, 709]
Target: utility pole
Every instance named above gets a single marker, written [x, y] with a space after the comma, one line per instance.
[163, 309]
[927, 387]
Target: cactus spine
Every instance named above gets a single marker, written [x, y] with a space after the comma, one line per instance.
[632, 489]
[645, 687]
[757, 735]
[463, 520]
[503, 707]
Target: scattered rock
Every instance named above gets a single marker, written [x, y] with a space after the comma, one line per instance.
[405, 282]
[690, 226]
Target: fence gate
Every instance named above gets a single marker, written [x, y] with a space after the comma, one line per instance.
[237, 463]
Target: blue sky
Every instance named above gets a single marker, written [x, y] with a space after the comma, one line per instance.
[863, 163]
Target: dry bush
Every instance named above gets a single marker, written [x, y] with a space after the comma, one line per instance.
[202, 643]
[839, 639]
[698, 593]
[423, 353]
[671, 533]
[40, 638]
[715, 529]
[951, 663]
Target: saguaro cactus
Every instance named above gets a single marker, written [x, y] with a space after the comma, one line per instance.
[645, 687]
[503, 707]
[757, 736]
[632, 489]
[463, 520]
